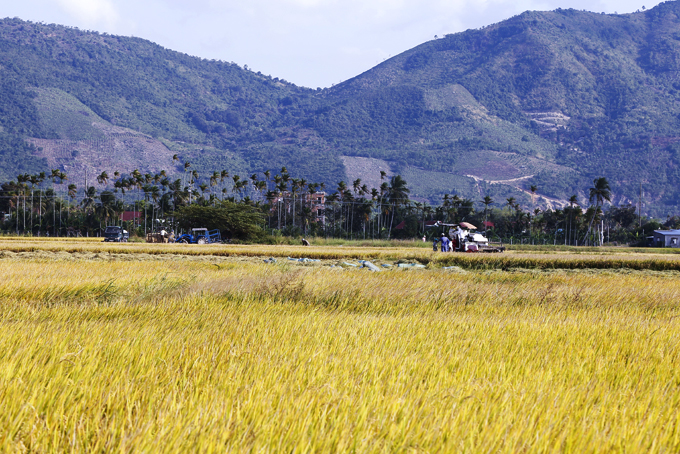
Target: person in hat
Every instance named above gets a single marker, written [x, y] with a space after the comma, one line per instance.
[445, 243]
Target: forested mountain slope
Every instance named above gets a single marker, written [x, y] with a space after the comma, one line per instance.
[553, 99]
[591, 92]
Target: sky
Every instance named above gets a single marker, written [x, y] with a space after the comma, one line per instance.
[312, 43]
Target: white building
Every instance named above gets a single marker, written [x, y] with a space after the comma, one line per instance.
[666, 238]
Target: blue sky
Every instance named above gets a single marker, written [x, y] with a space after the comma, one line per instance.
[314, 43]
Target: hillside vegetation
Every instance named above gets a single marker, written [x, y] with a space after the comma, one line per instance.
[555, 98]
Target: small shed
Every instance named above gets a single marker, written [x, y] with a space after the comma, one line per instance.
[666, 238]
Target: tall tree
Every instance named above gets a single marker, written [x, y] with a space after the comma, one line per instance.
[398, 196]
[486, 201]
[573, 200]
[599, 193]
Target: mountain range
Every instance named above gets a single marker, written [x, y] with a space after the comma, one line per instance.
[547, 99]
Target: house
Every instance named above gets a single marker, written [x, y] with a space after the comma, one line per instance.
[130, 215]
[316, 202]
[666, 238]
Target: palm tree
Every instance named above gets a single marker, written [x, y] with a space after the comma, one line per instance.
[33, 179]
[103, 178]
[194, 179]
[301, 184]
[26, 178]
[281, 187]
[267, 176]
[187, 165]
[427, 213]
[262, 188]
[511, 202]
[573, 200]
[89, 199]
[342, 187]
[384, 189]
[599, 192]
[533, 188]
[236, 186]
[213, 180]
[177, 192]
[109, 206]
[486, 201]
[61, 176]
[14, 202]
[165, 184]
[155, 193]
[41, 177]
[398, 195]
[332, 199]
[312, 188]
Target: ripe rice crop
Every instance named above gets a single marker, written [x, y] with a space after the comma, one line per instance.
[229, 354]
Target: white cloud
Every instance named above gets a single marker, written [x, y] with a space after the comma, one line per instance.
[91, 11]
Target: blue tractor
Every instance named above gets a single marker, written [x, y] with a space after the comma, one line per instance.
[200, 236]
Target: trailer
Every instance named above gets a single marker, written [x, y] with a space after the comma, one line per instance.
[200, 236]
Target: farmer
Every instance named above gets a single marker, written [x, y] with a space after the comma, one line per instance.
[445, 243]
[435, 240]
[454, 243]
[305, 242]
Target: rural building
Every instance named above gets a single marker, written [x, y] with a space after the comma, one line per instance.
[315, 201]
[666, 238]
[134, 216]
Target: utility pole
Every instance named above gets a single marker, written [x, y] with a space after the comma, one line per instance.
[640, 209]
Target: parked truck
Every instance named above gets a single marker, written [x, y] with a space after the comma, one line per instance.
[116, 234]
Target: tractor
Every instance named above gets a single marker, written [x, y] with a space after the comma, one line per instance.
[200, 236]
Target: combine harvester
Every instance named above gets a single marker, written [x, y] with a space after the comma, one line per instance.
[464, 238]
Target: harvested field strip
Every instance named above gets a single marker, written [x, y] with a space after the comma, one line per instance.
[505, 262]
[46, 239]
[509, 260]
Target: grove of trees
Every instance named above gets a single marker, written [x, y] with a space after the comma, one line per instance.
[265, 205]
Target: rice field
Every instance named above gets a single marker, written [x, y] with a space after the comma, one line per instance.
[163, 348]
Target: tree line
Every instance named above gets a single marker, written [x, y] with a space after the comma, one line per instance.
[266, 204]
